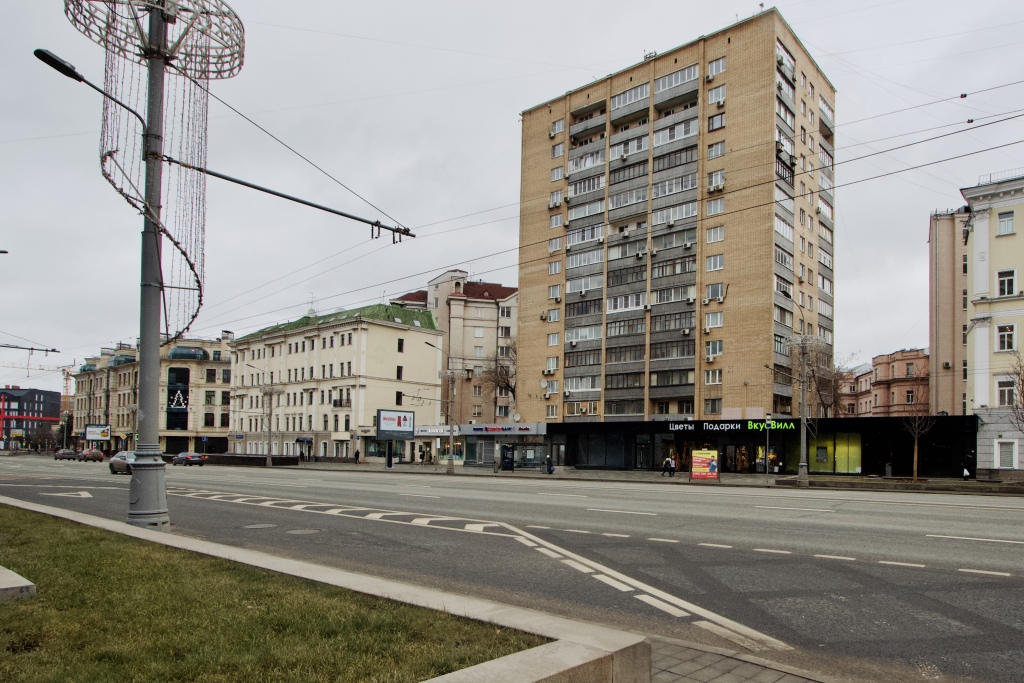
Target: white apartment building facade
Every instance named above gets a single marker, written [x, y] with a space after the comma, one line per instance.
[995, 250]
[312, 387]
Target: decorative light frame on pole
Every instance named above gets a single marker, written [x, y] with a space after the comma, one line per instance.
[269, 391]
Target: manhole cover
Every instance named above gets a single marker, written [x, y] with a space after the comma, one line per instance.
[261, 526]
[304, 531]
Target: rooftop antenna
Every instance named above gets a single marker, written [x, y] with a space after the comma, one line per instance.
[312, 309]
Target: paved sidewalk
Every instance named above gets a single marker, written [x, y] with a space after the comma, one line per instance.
[675, 661]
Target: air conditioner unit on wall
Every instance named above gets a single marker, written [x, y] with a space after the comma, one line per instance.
[686, 330]
[707, 330]
[720, 103]
[566, 393]
[709, 359]
[709, 78]
[947, 365]
[705, 302]
[547, 395]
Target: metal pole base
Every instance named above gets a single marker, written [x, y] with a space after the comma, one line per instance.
[451, 465]
[147, 495]
[802, 475]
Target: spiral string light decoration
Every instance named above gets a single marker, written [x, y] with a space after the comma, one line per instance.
[202, 39]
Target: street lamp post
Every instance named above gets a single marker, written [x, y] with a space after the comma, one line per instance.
[147, 504]
[269, 391]
[767, 445]
[64, 427]
[450, 376]
[803, 341]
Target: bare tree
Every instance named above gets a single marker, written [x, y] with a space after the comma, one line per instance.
[501, 377]
[917, 418]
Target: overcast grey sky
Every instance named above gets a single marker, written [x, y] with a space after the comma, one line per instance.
[415, 106]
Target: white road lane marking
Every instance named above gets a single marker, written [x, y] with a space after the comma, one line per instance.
[576, 531]
[260, 526]
[479, 527]
[417, 495]
[714, 545]
[984, 571]
[663, 606]
[625, 588]
[773, 507]
[837, 557]
[971, 538]
[382, 515]
[534, 526]
[624, 512]
[663, 540]
[549, 553]
[617, 535]
[416, 486]
[563, 495]
[772, 550]
[901, 564]
[76, 494]
[578, 567]
[525, 541]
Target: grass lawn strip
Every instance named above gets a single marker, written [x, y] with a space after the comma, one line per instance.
[111, 608]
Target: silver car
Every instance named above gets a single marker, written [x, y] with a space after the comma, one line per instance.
[122, 462]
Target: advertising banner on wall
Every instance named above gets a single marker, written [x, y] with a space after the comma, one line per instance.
[97, 432]
[396, 425]
[704, 465]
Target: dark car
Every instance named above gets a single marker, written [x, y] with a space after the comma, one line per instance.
[65, 454]
[91, 454]
[188, 459]
[122, 462]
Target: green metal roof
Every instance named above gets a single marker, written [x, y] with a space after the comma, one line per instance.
[383, 312]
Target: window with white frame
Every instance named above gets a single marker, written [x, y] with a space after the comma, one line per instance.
[582, 284]
[716, 122]
[591, 184]
[783, 257]
[554, 267]
[782, 136]
[825, 207]
[551, 410]
[554, 291]
[783, 199]
[783, 285]
[1007, 395]
[715, 262]
[584, 383]
[554, 244]
[1005, 337]
[1005, 282]
[1006, 454]
[588, 209]
[553, 339]
[825, 108]
[1005, 226]
[632, 95]
[716, 94]
[782, 316]
[824, 309]
[554, 314]
[670, 294]
[581, 235]
[627, 198]
[675, 78]
[586, 333]
[824, 333]
[674, 185]
[585, 161]
[713, 319]
[552, 363]
[555, 221]
[824, 284]
[674, 213]
[679, 131]
[716, 206]
[713, 376]
[716, 234]
[556, 198]
[825, 232]
[557, 150]
[584, 258]
[783, 227]
[716, 150]
[558, 126]
[716, 66]
[783, 110]
[627, 147]
[784, 86]
[716, 178]
[713, 348]
[625, 250]
[714, 290]
[825, 258]
[627, 302]
[557, 173]
[504, 332]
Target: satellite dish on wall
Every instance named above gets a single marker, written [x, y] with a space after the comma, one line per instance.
[543, 384]
[517, 417]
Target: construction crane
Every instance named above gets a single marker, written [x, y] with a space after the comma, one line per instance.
[67, 371]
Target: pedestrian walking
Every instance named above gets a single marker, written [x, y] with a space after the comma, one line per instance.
[666, 465]
[549, 465]
[357, 456]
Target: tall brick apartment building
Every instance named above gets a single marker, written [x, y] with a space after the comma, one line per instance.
[676, 230]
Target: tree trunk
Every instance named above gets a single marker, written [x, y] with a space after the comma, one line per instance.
[915, 458]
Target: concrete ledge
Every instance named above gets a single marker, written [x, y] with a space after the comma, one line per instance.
[583, 652]
[13, 586]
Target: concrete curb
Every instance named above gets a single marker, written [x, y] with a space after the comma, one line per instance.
[13, 586]
[581, 653]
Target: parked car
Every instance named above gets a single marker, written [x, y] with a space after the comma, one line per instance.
[93, 454]
[188, 459]
[65, 454]
[122, 462]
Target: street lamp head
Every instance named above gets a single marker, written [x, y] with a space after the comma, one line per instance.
[55, 62]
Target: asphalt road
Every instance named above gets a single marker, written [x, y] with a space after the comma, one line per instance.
[881, 586]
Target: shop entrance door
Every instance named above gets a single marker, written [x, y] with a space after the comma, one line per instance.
[643, 460]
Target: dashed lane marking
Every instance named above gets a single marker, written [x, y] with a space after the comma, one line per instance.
[617, 535]
[550, 553]
[576, 531]
[624, 512]
[772, 550]
[578, 567]
[663, 540]
[525, 541]
[618, 585]
[984, 571]
[563, 495]
[714, 545]
[773, 507]
[417, 495]
[480, 527]
[837, 557]
[534, 526]
[901, 564]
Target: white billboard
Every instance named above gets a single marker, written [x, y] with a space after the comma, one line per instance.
[97, 432]
[396, 424]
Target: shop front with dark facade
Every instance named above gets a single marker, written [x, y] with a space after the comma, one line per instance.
[834, 446]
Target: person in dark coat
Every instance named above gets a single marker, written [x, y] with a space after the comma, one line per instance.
[357, 456]
[549, 465]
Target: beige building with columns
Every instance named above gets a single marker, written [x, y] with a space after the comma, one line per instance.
[676, 230]
[313, 386]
